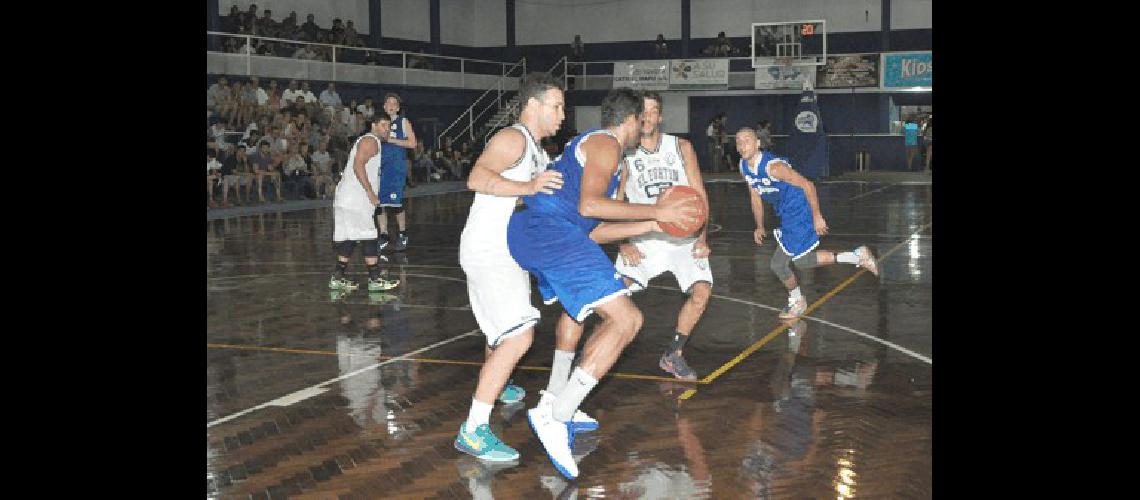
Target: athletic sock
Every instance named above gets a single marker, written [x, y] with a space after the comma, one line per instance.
[560, 371]
[340, 267]
[373, 271]
[480, 414]
[794, 294]
[679, 340]
[847, 258]
[571, 396]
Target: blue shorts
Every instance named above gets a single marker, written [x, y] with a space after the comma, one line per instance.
[796, 236]
[569, 266]
[392, 180]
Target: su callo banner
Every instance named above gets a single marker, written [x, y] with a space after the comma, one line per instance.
[910, 69]
[698, 74]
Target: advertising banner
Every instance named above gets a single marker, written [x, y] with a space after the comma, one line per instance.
[807, 143]
[698, 74]
[642, 75]
[915, 69]
[849, 70]
[780, 77]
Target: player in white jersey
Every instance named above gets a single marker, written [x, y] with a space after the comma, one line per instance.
[355, 202]
[513, 164]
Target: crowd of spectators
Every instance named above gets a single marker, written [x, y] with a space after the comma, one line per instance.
[247, 23]
[262, 139]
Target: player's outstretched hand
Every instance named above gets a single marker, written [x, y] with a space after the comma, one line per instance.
[546, 182]
[758, 235]
[630, 254]
[679, 210]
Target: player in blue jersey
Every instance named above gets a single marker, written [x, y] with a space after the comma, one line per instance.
[556, 238]
[772, 179]
[394, 173]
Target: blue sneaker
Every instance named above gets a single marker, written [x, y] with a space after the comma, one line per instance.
[484, 445]
[512, 393]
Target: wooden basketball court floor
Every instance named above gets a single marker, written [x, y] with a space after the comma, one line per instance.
[361, 397]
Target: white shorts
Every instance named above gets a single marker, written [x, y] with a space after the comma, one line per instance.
[353, 223]
[661, 256]
[499, 291]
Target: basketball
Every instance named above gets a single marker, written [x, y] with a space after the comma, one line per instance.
[676, 229]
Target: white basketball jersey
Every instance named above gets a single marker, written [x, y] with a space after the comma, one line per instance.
[349, 191]
[651, 172]
[487, 221]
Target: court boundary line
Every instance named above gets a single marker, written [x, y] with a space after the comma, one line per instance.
[308, 392]
[708, 379]
[868, 193]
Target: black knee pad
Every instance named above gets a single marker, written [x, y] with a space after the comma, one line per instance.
[398, 210]
[370, 248]
[344, 248]
[807, 261]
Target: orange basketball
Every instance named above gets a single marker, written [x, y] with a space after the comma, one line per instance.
[677, 229]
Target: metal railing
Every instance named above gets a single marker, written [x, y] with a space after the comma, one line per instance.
[342, 58]
[491, 103]
[514, 107]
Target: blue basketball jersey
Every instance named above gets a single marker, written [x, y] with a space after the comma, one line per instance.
[564, 202]
[396, 155]
[788, 200]
[796, 234]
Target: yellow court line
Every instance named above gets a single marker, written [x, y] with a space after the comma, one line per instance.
[771, 335]
[635, 376]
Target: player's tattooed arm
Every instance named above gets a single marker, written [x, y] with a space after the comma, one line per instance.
[782, 171]
[603, 155]
[504, 151]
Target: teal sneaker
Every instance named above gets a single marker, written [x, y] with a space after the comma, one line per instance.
[380, 284]
[342, 283]
[381, 298]
[512, 393]
[483, 444]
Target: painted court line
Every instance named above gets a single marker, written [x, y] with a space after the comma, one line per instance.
[311, 391]
[872, 192]
[779, 329]
[638, 376]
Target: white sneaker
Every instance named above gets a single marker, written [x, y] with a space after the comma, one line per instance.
[867, 260]
[555, 438]
[795, 308]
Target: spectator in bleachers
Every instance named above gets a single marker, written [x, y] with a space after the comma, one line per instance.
[372, 58]
[424, 165]
[336, 34]
[310, 98]
[310, 29]
[329, 97]
[322, 171]
[265, 25]
[577, 49]
[273, 98]
[213, 167]
[288, 27]
[238, 174]
[764, 135]
[305, 52]
[266, 166]
[212, 95]
[290, 93]
[368, 109]
[297, 170]
[722, 47]
[660, 48]
[232, 21]
[350, 36]
[250, 16]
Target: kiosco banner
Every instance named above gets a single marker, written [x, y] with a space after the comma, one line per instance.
[642, 75]
[780, 77]
[698, 74]
[914, 69]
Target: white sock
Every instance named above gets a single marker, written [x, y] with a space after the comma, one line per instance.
[847, 258]
[579, 385]
[794, 295]
[560, 371]
[480, 414]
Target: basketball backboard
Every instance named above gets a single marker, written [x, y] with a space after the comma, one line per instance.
[798, 43]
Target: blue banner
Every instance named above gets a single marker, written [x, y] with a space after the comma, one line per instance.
[908, 70]
[807, 143]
